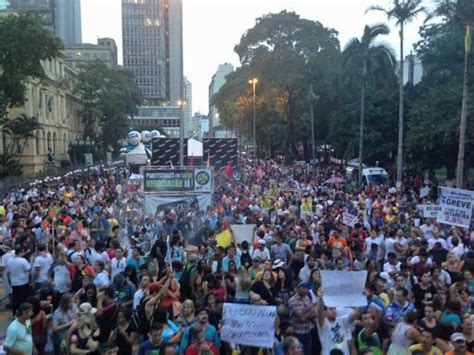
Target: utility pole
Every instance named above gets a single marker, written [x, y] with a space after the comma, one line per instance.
[311, 97]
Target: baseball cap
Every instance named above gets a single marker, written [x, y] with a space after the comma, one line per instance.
[261, 242]
[457, 336]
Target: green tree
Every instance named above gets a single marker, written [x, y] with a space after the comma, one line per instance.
[286, 54]
[461, 11]
[24, 43]
[403, 12]
[433, 105]
[21, 129]
[372, 57]
[110, 97]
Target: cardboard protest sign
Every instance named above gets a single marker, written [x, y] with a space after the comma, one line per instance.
[249, 325]
[243, 232]
[349, 219]
[344, 288]
[456, 207]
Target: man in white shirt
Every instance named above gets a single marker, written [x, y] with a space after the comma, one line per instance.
[41, 266]
[97, 254]
[334, 330]
[117, 264]
[18, 270]
[102, 279]
[62, 275]
[437, 239]
[9, 254]
[261, 251]
[19, 339]
[392, 266]
[141, 292]
[427, 229]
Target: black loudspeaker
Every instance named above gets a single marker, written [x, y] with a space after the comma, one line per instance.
[219, 151]
[165, 151]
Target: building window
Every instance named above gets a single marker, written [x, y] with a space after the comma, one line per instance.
[48, 145]
[55, 138]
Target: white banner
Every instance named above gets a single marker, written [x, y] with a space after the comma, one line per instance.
[249, 325]
[152, 203]
[203, 180]
[349, 219]
[344, 288]
[429, 211]
[243, 232]
[456, 207]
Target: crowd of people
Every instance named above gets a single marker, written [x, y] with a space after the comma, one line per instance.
[88, 271]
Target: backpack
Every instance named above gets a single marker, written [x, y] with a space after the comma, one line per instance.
[139, 318]
[185, 282]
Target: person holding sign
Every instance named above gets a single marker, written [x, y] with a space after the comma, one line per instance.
[333, 329]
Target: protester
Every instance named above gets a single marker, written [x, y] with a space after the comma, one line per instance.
[109, 276]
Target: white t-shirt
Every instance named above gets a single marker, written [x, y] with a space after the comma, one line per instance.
[137, 298]
[333, 335]
[427, 230]
[389, 245]
[62, 279]
[18, 269]
[117, 266]
[6, 258]
[19, 337]
[44, 262]
[94, 257]
[102, 280]
[433, 241]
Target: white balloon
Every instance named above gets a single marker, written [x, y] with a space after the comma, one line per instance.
[155, 133]
[134, 137]
[146, 136]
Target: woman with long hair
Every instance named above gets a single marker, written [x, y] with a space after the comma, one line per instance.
[63, 318]
[125, 334]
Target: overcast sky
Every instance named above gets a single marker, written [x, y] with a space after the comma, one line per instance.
[213, 27]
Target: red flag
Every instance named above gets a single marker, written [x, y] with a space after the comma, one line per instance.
[229, 171]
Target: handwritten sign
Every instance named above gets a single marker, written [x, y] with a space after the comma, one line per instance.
[243, 232]
[344, 288]
[456, 207]
[349, 219]
[249, 325]
[429, 211]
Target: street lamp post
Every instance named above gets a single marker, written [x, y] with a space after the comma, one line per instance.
[254, 82]
[181, 104]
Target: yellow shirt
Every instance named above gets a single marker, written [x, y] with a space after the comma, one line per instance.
[434, 350]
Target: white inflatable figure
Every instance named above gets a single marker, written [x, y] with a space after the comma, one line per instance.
[146, 136]
[134, 137]
[155, 134]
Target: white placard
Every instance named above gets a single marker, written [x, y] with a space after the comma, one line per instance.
[243, 232]
[424, 191]
[249, 325]
[429, 211]
[344, 288]
[203, 180]
[349, 219]
[456, 207]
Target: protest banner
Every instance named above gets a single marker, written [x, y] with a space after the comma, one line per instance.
[349, 219]
[429, 211]
[243, 232]
[224, 239]
[424, 191]
[456, 207]
[344, 288]
[249, 325]
[177, 180]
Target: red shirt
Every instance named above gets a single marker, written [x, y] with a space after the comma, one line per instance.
[194, 349]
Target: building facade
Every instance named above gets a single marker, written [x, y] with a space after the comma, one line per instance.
[412, 70]
[217, 81]
[62, 17]
[68, 22]
[152, 48]
[190, 128]
[77, 55]
[166, 118]
[53, 102]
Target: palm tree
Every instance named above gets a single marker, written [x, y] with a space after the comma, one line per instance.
[461, 11]
[369, 55]
[403, 12]
[22, 128]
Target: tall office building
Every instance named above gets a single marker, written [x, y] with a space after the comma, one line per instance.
[62, 17]
[217, 81]
[190, 127]
[67, 15]
[152, 48]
